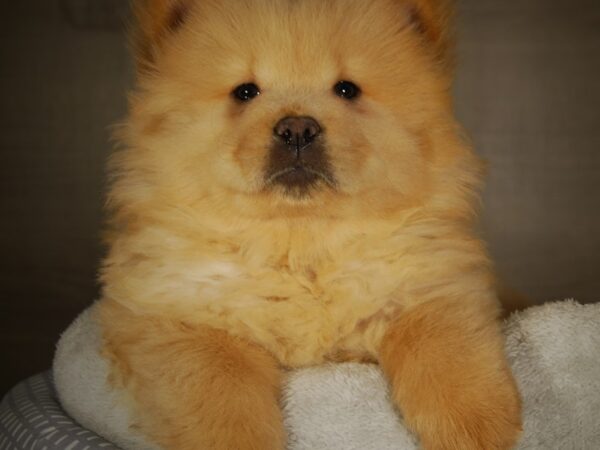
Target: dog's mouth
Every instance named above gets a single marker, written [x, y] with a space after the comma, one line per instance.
[300, 175]
[300, 179]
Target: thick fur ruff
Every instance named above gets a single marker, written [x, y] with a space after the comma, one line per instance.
[217, 278]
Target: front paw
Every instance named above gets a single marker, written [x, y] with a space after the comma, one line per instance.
[450, 377]
[479, 420]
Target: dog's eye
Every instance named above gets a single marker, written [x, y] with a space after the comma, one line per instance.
[246, 92]
[347, 90]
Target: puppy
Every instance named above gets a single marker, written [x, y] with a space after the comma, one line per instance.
[292, 188]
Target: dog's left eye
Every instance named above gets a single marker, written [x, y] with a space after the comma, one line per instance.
[246, 92]
[347, 90]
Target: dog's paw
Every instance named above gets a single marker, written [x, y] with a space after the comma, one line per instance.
[485, 425]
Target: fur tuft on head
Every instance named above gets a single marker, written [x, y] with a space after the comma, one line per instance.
[434, 19]
[154, 20]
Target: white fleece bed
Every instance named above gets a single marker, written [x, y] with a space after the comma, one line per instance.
[554, 351]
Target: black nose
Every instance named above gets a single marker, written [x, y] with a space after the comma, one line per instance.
[297, 132]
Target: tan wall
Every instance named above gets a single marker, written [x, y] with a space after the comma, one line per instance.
[527, 91]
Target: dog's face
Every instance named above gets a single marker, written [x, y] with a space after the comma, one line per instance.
[288, 106]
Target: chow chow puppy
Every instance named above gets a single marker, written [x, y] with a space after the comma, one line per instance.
[293, 188]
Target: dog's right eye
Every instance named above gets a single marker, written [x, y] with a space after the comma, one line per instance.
[246, 92]
[347, 90]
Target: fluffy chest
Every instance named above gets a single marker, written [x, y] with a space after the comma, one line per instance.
[301, 314]
[301, 301]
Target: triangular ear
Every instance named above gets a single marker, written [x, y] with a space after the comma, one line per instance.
[434, 19]
[153, 21]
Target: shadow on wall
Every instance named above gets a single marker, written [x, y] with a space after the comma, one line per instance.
[96, 14]
[63, 82]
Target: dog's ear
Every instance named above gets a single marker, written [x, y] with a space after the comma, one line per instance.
[155, 20]
[434, 20]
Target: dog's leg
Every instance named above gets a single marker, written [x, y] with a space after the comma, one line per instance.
[450, 378]
[195, 388]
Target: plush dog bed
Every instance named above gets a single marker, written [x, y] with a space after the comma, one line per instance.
[31, 418]
[554, 351]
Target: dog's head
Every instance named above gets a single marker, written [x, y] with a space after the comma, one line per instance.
[288, 107]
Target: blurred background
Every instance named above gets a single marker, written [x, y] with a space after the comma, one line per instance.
[527, 91]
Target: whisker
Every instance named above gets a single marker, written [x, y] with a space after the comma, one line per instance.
[277, 174]
[329, 180]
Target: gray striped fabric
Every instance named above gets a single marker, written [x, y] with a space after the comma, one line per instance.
[31, 419]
